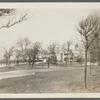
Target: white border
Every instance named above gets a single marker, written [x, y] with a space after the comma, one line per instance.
[51, 6]
[52, 95]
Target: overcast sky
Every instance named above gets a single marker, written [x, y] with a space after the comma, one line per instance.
[46, 26]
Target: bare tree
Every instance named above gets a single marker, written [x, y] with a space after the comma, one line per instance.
[94, 49]
[17, 56]
[27, 42]
[20, 44]
[23, 44]
[53, 50]
[7, 55]
[43, 53]
[66, 49]
[88, 29]
[94, 52]
[29, 54]
[35, 50]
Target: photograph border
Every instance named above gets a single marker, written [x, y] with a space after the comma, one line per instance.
[59, 96]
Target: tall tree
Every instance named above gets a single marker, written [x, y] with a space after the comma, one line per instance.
[23, 44]
[27, 42]
[29, 54]
[66, 49]
[53, 50]
[20, 44]
[35, 50]
[17, 56]
[95, 49]
[88, 29]
[43, 54]
[7, 55]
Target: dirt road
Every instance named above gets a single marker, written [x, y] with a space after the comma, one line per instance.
[19, 73]
[12, 74]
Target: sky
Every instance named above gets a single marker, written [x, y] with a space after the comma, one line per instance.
[46, 26]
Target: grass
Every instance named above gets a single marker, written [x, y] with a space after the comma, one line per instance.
[36, 66]
[42, 82]
[21, 67]
[58, 80]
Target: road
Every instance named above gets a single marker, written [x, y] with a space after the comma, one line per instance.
[20, 73]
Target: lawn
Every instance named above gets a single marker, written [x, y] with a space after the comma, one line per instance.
[36, 66]
[56, 80]
[21, 67]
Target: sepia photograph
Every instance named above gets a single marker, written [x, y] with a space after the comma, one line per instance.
[49, 48]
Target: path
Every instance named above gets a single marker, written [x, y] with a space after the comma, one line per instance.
[20, 73]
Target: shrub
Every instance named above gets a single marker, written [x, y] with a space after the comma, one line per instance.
[80, 59]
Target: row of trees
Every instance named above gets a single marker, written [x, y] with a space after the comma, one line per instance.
[9, 16]
[26, 51]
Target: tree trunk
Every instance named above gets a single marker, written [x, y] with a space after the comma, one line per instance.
[56, 63]
[42, 61]
[61, 57]
[98, 55]
[17, 62]
[66, 60]
[34, 56]
[42, 64]
[98, 58]
[6, 63]
[85, 71]
[9, 64]
[33, 61]
[29, 61]
[55, 60]
[99, 62]
[90, 68]
[90, 64]
[48, 65]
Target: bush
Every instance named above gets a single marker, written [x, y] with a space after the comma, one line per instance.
[80, 59]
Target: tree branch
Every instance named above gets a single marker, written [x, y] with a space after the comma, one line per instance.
[9, 24]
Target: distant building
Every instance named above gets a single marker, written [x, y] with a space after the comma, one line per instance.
[77, 50]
